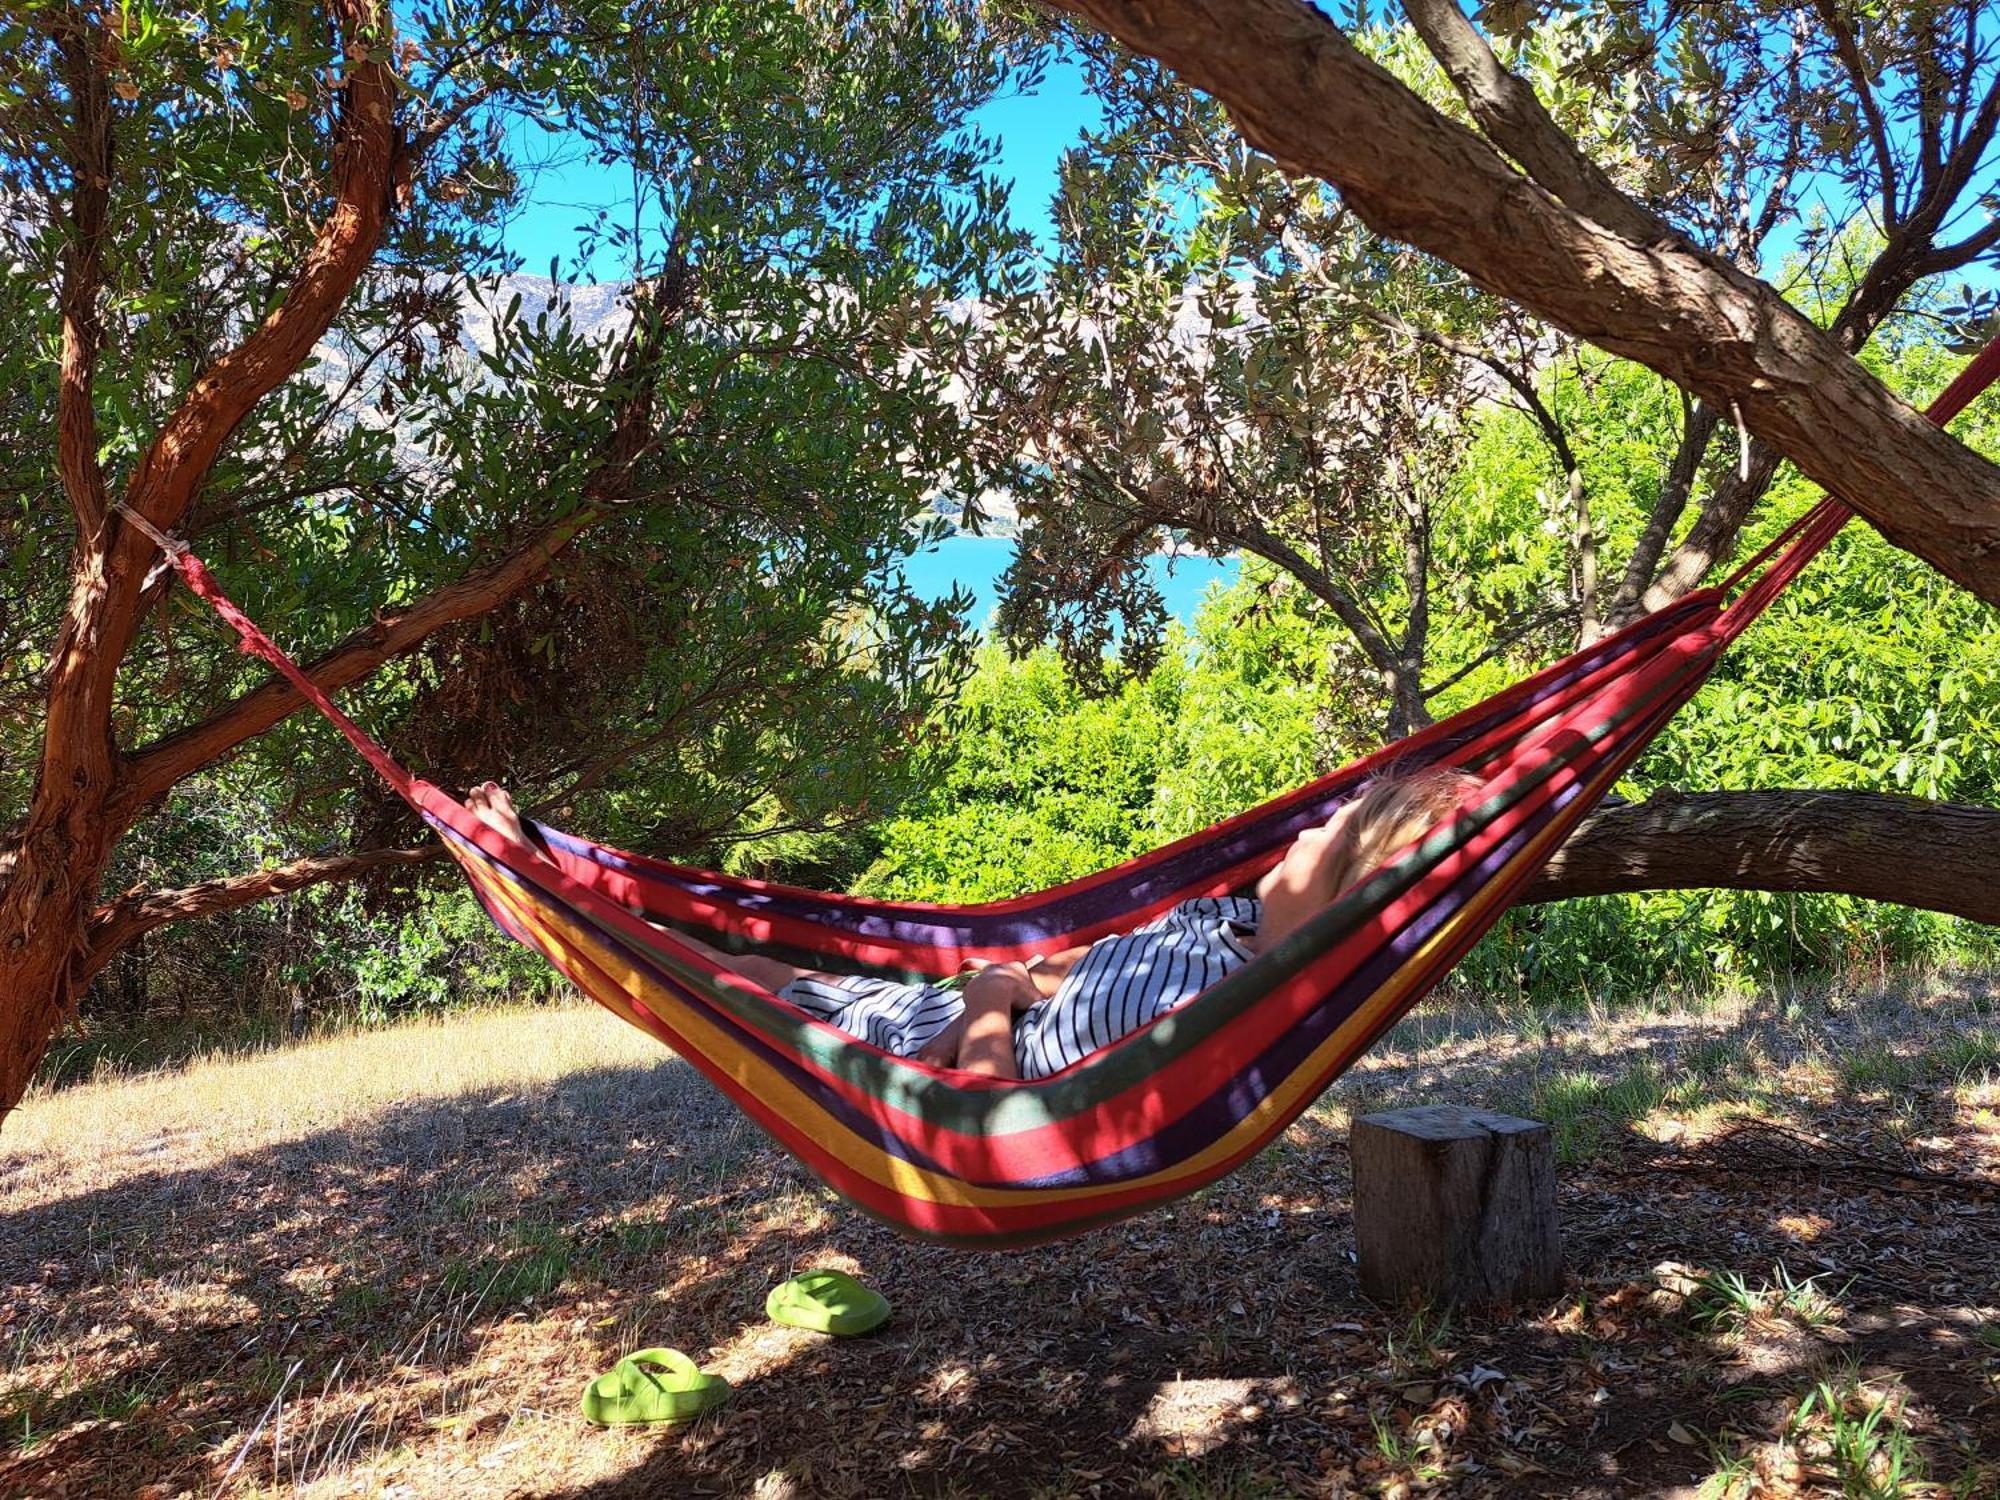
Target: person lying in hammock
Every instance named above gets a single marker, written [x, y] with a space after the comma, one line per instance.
[1015, 1020]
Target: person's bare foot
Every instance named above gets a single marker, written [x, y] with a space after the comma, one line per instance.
[490, 802]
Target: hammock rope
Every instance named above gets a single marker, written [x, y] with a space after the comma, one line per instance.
[985, 1163]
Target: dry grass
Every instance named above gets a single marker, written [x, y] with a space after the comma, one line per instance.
[385, 1263]
[232, 1102]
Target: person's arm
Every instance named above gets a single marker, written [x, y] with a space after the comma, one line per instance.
[993, 998]
[1045, 970]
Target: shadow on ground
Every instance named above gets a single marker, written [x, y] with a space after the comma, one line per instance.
[418, 1300]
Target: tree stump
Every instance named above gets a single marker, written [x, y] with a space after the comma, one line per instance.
[1455, 1205]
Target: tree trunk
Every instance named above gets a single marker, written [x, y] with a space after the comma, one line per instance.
[66, 838]
[43, 909]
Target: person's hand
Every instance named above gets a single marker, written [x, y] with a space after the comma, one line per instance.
[993, 997]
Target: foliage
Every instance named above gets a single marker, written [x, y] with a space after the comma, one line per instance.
[1222, 351]
[1871, 672]
[749, 428]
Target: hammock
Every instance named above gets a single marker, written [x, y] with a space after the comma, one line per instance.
[985, 1163]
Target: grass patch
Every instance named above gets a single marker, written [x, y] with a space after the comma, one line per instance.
[1727, 1302]
[1970, 1058]
[1878, 1067]
[1856, 1438]
[642, 1236]
[1586, 1112]
[543, 1258]
[1194, 1479]
[1406, 1451]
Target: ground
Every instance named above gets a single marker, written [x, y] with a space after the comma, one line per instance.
[385, 1263]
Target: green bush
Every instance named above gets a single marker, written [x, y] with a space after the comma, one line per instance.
[1872, 671]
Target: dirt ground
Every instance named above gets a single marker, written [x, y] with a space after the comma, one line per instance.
[386, 1263]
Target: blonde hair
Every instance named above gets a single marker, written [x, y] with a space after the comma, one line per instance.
[1396, 808]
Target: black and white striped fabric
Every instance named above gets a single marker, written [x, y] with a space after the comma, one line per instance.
[1119, 985]
[1124, 982]
[887, 1013]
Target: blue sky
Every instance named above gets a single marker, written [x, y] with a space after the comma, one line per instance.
[1030, 130]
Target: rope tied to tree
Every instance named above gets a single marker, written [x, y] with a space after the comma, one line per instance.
[252, 641]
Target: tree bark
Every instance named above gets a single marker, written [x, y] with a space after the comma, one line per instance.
[1939, 856]
[125, 921]
[65, 840]
[1455, 1205]
[1300, 91]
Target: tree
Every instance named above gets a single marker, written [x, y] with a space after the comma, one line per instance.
[611, 556]
[1217, 326]
[1513, 201]
[1222, 353]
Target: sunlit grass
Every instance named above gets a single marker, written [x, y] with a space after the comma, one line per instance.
[1853, 1435]
[230, 1101]
[405, 1249]
[1729, 1302]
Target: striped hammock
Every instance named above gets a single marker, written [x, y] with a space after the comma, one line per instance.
[984, 1163]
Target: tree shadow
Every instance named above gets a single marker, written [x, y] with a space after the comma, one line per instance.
[185, 1302]
[437, 1282]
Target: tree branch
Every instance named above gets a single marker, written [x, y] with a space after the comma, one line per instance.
[170, 759]
[1301, 92]
[1696, 433]
[425, 141]
[364, 165]
[125, 920]
[1513, 118]
[1849, 52]
[1951, 257]
[83, 269]
[1714, 533]
[1938, 856]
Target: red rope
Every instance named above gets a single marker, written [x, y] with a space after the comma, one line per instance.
[255, 643]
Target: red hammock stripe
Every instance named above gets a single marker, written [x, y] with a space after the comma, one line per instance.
[977, 1162]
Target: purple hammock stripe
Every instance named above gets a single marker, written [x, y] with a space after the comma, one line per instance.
[1106, 900]
[1192, 1131]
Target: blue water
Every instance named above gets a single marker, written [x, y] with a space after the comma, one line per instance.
[976, 562]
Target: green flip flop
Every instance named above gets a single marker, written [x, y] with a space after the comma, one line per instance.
[654, 1385]
[827, 1302]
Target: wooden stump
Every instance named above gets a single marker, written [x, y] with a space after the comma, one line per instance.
[1455, 1205]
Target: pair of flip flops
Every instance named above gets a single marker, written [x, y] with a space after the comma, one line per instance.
[664, 1385]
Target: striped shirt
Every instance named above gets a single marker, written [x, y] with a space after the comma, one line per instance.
[888, 1013]
[1121, 983]
[1117, 986]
